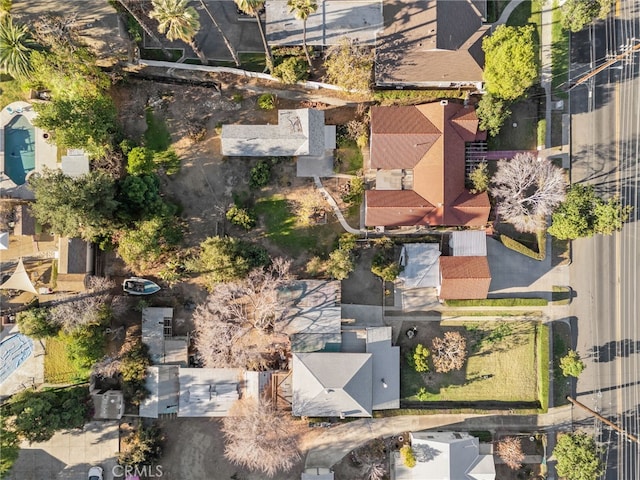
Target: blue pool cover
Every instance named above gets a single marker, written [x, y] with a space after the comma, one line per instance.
[14, 351]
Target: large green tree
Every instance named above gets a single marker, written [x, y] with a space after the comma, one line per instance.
[583, 214]
[75, 207]
[37, 415]
[16, 44]
[577, 457]
[178, 22]
[223, 259]
[36, 323]
[511, 61]
[253, 7]
[492, 112]
[87, 122]
[148, 240]
[577, 14]
[302, 9]
[9, 445]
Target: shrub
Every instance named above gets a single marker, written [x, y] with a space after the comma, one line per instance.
[499, 302]
[260, 175]
[407, 456]
[340, 264]
[356, 189]
[237, 97]
[385, 267]
[516, 246]
[315, 266]
[242, 217]
[479, 178]
[140, 161]
[347, 241]
[291, 70]
[267, 101]
[571, 364]
[418, 358]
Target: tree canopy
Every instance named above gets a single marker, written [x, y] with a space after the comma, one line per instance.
[37, 415]
[511, 62]
[84, 206]
[148, 240]
[577, 14]
[36, 323]
[16, 44]
[349, 66]
[9, 445]
[492, 112]
[577, 457]
[583, 214]
[527, 189]
[571, 364]
[87, 122]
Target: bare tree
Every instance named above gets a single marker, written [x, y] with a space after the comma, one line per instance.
[528, 188]
[86, 308]
[215, 335]
[449, 353]
[259, 437]
[509, 449]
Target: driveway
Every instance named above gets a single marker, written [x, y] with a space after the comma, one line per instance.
[516, 275]
[69, 454]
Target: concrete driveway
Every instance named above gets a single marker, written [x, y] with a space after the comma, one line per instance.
[516, 275]
[69, 454]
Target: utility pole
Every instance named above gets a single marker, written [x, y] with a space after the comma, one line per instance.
[604, 420]
[606, 65]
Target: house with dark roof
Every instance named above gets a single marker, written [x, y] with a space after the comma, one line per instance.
[418, 155]
[430, 43]
[445, 456]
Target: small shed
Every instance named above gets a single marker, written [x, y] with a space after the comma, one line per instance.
[468, 243]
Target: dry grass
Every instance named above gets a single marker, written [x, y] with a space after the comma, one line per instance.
[57, 367]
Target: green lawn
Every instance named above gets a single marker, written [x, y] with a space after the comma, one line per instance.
[157, 136]
[57, 367]
[348, 157]
[561, 345]
[158, 54]
[522, 136]
[281, 226]
[504, 369]
[559, 53]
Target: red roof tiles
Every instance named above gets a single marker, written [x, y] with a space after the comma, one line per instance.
[464, 278]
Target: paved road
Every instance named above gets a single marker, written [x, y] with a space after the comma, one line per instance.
[604, 273]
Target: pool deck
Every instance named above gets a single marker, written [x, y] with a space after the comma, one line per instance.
[28, 374]
[46, 154]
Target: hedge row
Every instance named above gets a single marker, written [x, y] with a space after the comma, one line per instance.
[516, 246]
[499, 302]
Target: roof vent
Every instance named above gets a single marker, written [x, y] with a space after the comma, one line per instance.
[444, 102]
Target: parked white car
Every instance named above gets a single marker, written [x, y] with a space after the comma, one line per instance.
[95, 473]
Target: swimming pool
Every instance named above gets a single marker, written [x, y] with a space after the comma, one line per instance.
[19, 149]
[14, 351]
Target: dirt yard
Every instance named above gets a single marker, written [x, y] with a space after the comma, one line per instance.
[208, 182]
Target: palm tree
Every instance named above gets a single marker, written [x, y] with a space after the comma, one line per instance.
[302, 9]
[253, 7]
[178, 22]
[16, 45]
[224, 37]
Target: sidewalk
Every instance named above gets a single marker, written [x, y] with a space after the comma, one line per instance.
[328, 448]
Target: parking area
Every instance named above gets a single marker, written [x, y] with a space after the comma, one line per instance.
[70, 454]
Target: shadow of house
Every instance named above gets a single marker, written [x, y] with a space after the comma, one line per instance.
[445, 455]
[35, 463]
[418, 155]
[429, 43]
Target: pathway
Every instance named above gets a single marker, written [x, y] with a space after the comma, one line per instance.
[335, 207]
[506, 13]
[546, 62]
[328, 448]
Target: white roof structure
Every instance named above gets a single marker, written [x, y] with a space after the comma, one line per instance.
[468, 243]
[208, 392]
[163, 386]
[358, 20]
[4, 240]
[298, 132]
[75, 163]
[156, 334]
[19, 280]
[421, 265]
[445, 456]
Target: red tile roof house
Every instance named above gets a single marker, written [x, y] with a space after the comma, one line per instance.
[418, 153]
[464, 278]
